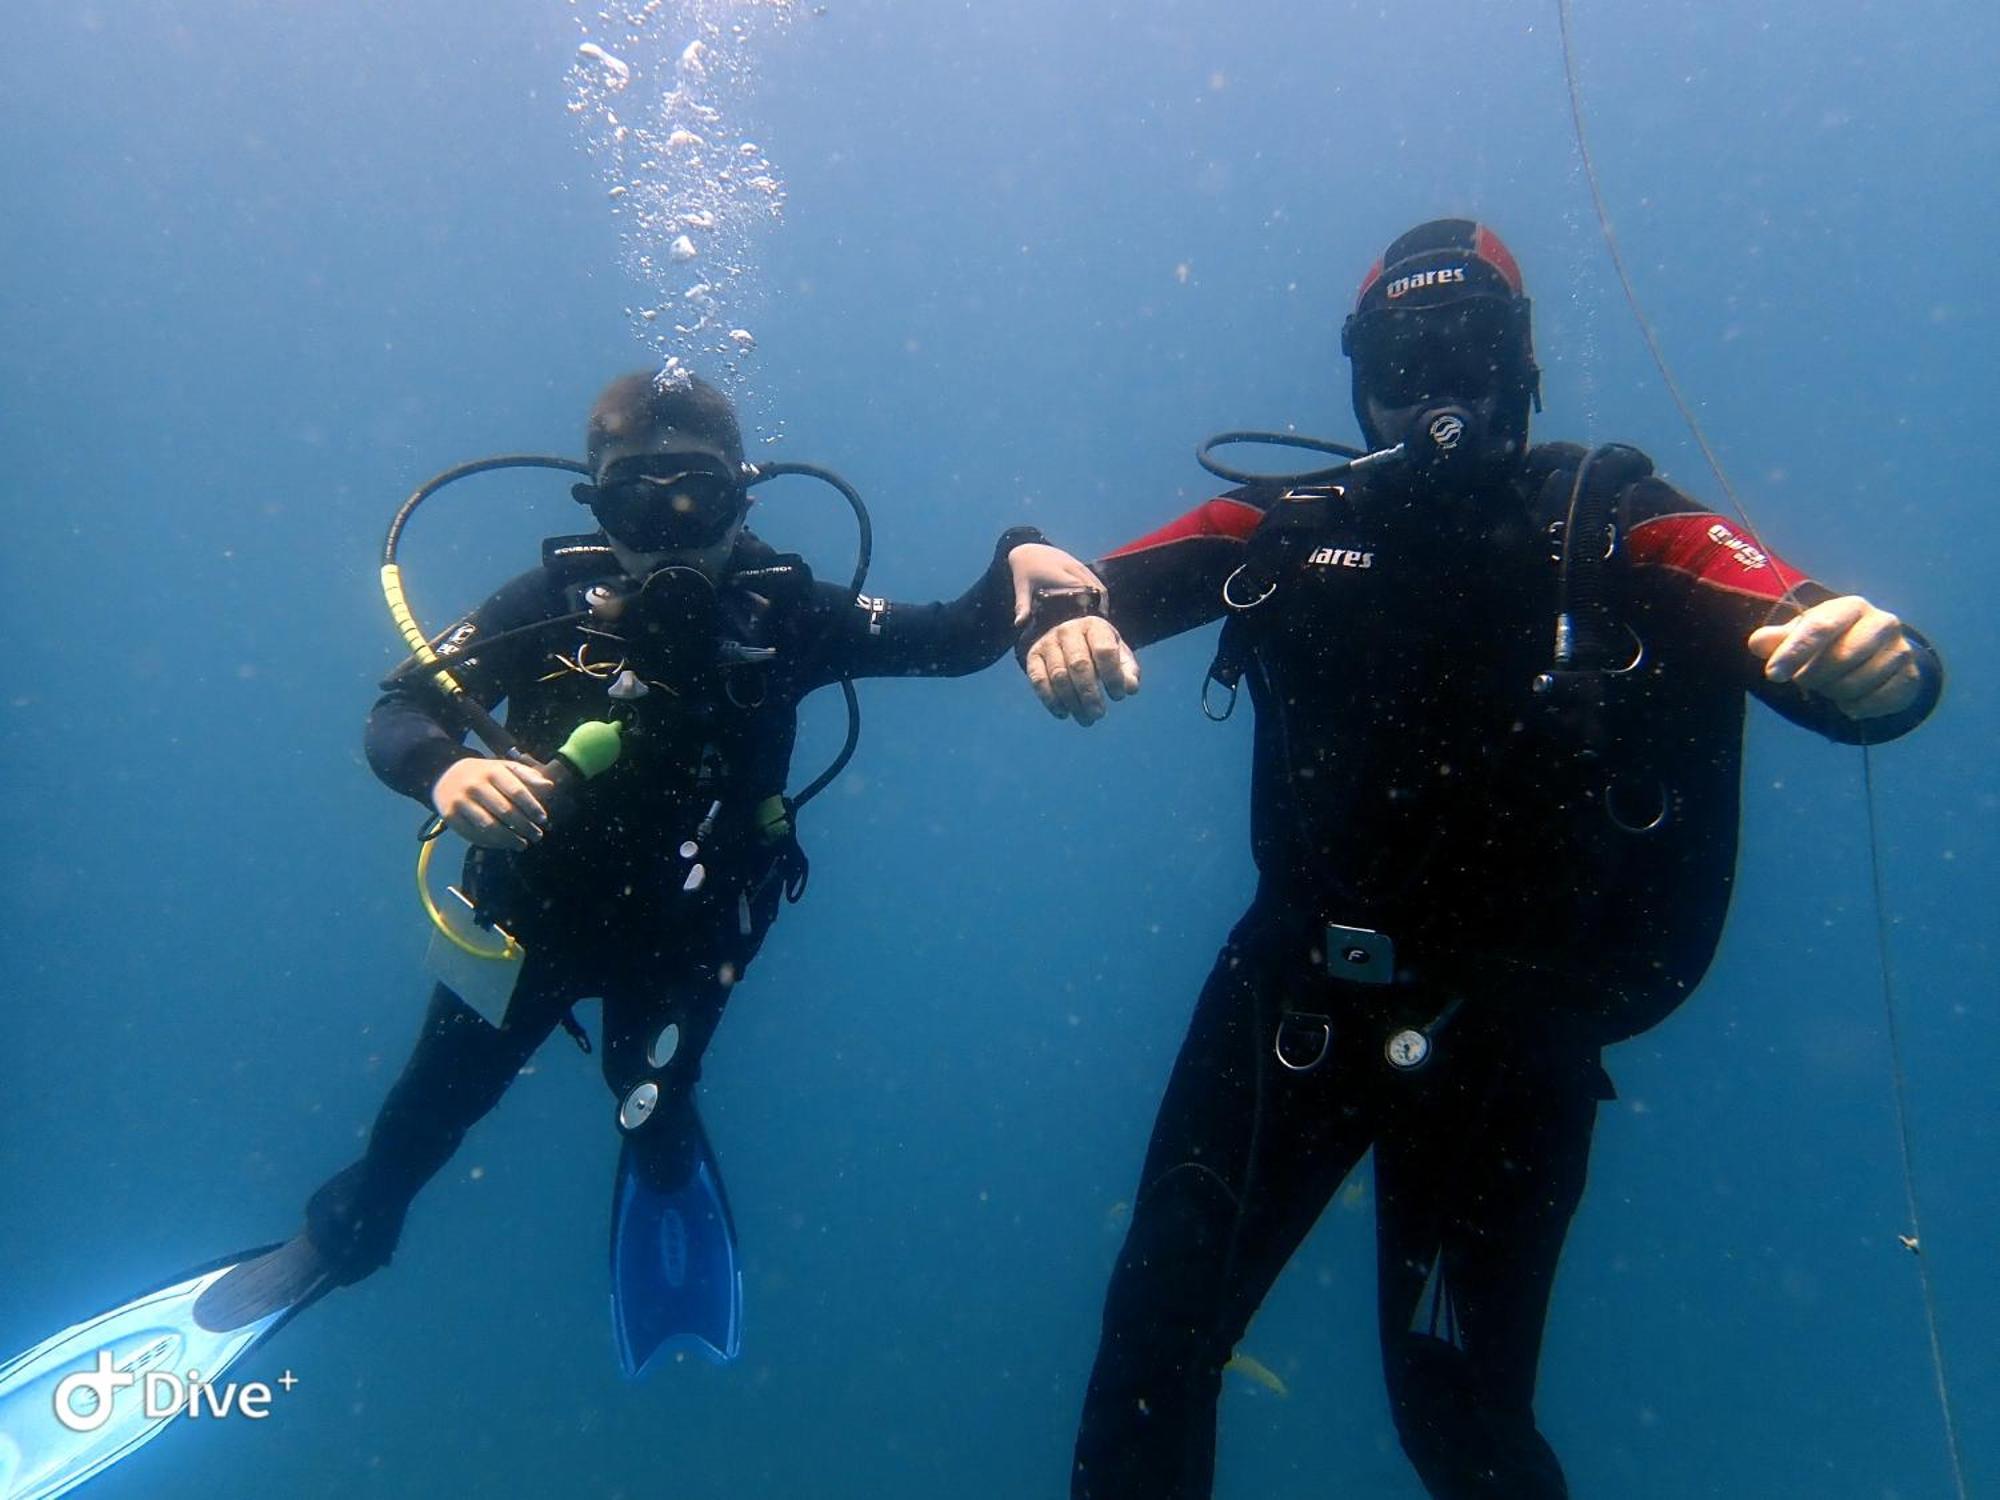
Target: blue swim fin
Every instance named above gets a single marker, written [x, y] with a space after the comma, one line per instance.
[674, 1272]
[57, 1430]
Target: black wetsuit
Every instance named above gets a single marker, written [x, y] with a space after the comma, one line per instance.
[1517, 894]
[601, 904]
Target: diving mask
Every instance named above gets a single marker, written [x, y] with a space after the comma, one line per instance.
[665, 503]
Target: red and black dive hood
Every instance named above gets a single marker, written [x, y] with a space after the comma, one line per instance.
[1442, 322]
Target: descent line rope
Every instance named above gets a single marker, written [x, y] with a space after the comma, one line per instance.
[1903, 1129]
[1915, 1239]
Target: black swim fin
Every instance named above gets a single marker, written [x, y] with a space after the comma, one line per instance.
[675, 1278]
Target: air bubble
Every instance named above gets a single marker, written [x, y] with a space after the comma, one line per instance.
[663, 92]
[617, 72]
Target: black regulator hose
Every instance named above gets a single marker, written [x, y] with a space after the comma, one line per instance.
[864, 555]
[865, 550]
[838, 764]
[452, 475]
[1205, 456]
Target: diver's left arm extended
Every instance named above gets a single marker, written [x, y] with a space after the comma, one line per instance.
[1836, 664]
[871, 637]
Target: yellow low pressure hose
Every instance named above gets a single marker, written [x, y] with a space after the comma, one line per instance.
[413, 633]
[506, 951]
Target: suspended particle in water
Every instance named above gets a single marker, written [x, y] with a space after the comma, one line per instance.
[682, 249]
[743, 339]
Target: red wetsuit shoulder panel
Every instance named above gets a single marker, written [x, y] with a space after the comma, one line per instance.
[1223, 517]
[1707, 549]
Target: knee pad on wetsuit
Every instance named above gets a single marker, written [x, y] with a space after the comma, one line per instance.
[1190, 1207]
[1170, 1293]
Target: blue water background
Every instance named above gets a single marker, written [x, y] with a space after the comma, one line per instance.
[265, 266]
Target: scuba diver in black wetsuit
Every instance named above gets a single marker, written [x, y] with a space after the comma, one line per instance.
[1500, 695]
[653, 883]
[632, 841]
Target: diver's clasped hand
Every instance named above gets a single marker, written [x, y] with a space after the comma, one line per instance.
[1077, 665]
[1854, 655]
[1039, 568]
[494, 804]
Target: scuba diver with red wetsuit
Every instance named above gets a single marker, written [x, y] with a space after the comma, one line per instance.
[1500, 694]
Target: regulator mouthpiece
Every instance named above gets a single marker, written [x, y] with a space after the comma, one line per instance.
[1445, 442]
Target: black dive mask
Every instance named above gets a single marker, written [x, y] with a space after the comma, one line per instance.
[666, 502]
[1452, 384]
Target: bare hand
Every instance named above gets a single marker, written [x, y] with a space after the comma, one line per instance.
[1036, 565]
[1847, 651]
[1077, 665]
[495, 804]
